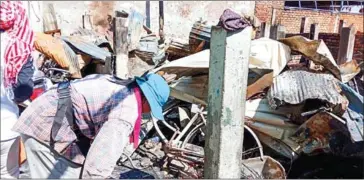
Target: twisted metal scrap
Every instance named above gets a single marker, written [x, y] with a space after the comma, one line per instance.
[315, 50]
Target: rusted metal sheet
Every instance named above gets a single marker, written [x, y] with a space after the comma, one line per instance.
[315, 133]
[314, 50]
[295, 87]
[189, 163]
[259, 85]
[324, 133]
[266, 168]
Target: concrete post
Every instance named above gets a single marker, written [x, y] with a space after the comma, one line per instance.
[86, 21]
[314, 34]
[273, 32]
[265, 30]
[314, 31]
[161, 22]
[304, 20]
[341, 25]
[228, 75]
[281, 32]
[273, 18]
[277, 32]
[121, 46]
[346, 45]
[147, 13]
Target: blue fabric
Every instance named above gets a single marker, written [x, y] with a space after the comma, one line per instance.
[354, 113]
[355, 99]
[23, 89]
[156, 91]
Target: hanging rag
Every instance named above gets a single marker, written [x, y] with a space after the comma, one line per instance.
[231, 21]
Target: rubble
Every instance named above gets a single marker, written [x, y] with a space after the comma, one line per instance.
[314, 50]
[322, 132]
[268, 168]
[58, 51]
[291, 111]
[200, 36]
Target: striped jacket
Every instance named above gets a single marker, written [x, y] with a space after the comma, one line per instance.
[14, 21]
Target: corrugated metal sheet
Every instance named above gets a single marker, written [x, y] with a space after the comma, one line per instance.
[294, 87]
[79, 44]
[74, 67]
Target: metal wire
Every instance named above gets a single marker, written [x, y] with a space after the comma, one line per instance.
[256, 140]
[131, 162]
[159, 132]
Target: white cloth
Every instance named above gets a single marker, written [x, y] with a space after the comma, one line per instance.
[267, 53]
[10, 158]
[45, 164]
[9, 110]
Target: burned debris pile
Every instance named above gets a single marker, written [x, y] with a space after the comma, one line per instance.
[291, 110]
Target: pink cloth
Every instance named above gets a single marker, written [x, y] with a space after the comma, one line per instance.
[134, 137]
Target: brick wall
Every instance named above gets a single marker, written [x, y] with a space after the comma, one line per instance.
[359, 47]
[306, 35]
[328, 24]
[332, 41]
[291, 19]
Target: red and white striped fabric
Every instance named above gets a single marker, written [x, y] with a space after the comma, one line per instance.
[14, 21]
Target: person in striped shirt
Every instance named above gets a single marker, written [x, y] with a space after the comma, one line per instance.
[16, 83]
